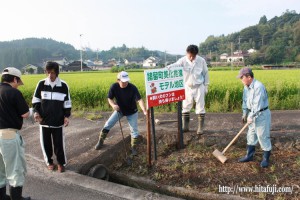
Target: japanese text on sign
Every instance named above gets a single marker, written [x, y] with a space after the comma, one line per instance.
[164, 86]
[159, 75]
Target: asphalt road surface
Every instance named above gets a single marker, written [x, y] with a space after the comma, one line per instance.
[44, 189]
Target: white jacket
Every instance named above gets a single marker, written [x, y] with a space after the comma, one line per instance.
[195, 72]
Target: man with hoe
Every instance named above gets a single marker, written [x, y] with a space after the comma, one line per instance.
[196, 82]
[257, 114]
[123, 97]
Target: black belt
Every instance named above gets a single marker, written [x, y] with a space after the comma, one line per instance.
[261, 109]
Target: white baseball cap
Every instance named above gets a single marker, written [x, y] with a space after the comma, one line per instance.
[14, 72]
[123, 76]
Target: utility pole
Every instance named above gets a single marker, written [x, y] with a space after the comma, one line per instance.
[231, 55]
[80, 53]
[239, 44]
[165, 58]
[97, 54]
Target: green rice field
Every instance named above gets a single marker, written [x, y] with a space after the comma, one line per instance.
[89, 89]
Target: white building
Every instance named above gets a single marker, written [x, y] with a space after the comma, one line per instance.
[223, 56]
[150, 62]
[30, 69]
[252, 51]
[62, 61]
[235, 58]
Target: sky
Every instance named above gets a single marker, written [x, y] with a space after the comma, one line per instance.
[165, 25]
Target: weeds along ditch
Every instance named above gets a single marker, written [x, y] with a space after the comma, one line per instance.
[89, 90]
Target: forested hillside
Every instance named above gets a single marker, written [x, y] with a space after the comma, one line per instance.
[277, 40]
[19, 53]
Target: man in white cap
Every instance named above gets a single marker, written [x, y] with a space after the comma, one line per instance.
[196, 81]
[13, 108]
[123, 97]
[257, 114]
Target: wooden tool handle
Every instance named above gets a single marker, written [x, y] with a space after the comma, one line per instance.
[234, 139]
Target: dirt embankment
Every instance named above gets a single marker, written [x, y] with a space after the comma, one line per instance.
[194, 167]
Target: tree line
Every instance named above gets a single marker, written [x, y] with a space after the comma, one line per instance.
[277, 40]
[19, 53]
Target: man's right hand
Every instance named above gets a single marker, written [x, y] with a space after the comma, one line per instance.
[37, 117]
[116, 107]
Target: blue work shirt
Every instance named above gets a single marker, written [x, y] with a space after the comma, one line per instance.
[255, 98]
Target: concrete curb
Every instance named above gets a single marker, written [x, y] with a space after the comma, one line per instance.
[135, 181]
[37, 168]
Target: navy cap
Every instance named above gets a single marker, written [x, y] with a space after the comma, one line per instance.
[244, 71]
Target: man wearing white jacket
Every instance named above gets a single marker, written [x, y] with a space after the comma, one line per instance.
[196, 82]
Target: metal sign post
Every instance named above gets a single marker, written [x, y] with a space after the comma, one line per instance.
[153, 132]
[180, 144]
[148, 138]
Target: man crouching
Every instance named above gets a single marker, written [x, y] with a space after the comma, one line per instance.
[122, 97]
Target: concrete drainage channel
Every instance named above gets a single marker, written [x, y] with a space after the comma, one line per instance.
[99, 168]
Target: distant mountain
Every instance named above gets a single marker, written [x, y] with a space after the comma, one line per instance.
[124, 52]
[277, 40]
[19, 53]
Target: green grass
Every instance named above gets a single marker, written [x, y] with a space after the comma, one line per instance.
[89, 89]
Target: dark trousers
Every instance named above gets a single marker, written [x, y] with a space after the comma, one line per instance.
[55, 135]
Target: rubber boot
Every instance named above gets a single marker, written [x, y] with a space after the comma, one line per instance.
[134, 142]
[265, 162]
[102, 137]
[16, 193]
[200, 130]
[185, 121]
[250, 154]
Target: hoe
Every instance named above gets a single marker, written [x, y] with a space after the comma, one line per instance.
[220, 155]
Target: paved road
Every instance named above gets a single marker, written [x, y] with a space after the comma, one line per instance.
[44, 189]
[42, 184]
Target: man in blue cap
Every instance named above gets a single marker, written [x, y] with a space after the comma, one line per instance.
[257, 114]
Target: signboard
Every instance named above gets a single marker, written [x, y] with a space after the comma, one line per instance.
[164, 86]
